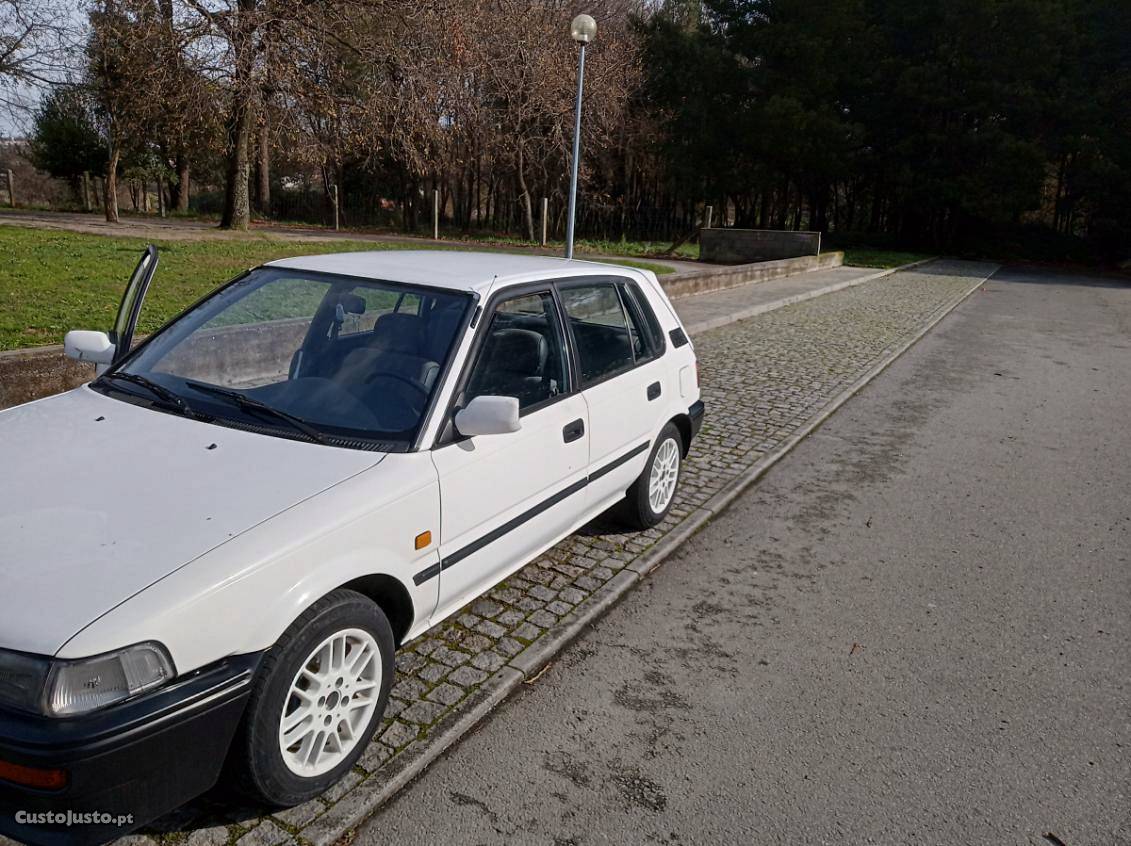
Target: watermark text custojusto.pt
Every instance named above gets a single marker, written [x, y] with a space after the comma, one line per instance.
[72, 818]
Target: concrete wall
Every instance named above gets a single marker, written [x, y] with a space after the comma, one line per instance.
[29, 374]
[262, 352]
[26, 375]
[722, 278]
[735, 246]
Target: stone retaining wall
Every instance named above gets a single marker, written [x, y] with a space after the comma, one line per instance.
[29, 374]
[730, 246]
[722, 278]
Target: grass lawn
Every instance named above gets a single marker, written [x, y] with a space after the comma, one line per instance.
[880, 258]
[638, 249]
[54, 281]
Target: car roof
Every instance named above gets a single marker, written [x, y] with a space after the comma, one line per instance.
[454, 269]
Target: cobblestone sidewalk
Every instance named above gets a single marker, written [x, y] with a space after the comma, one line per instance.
[763, 379]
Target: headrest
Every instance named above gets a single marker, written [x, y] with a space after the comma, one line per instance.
[397, 333]
[442, 326]
[520, 351]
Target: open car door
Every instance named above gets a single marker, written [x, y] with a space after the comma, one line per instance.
[122, 335]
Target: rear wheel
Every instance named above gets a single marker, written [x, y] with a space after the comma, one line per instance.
[316, 701]
[650, 498]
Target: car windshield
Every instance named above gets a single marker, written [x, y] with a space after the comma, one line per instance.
[301, 354]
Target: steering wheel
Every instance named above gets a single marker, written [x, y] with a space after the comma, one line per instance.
[415, 404]
[412, 383]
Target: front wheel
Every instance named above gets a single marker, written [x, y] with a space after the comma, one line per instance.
[650, 498]
[316, 701]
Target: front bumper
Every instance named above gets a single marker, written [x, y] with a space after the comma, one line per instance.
[126, 765]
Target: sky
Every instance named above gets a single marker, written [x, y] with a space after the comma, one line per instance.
[12, 126]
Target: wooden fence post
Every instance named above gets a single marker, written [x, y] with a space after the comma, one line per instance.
[337, 211]
[160, 198]
[11, 189]
[710, 213]
[545, 218]
[86, 190]
[436, 214]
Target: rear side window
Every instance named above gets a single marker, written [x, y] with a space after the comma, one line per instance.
[600, 327]
[362, 310]
[614, 327]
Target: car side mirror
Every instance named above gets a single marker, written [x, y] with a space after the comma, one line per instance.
[488, 415]
[93, 347]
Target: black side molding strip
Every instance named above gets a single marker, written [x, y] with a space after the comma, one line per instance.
[512, 524]
[426, 574]
[613, 465]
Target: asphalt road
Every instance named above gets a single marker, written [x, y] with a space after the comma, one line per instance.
[915, 629]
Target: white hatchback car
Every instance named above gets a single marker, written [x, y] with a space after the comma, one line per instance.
[210, 553]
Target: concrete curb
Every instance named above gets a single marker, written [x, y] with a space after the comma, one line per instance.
[528, 663]
[538, 654]
[754, 311]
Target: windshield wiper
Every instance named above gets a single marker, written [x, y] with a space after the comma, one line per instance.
[251, 404]
[159, 391]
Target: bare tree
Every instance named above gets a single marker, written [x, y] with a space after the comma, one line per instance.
[128, 83]
[470, 97]
[36, 40]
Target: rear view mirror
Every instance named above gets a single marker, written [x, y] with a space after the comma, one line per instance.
[488, 416]
[93, 347]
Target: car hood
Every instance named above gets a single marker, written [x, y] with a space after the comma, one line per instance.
[101, 498]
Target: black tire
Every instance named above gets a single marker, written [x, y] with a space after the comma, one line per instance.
[636, 510]
[255, 765]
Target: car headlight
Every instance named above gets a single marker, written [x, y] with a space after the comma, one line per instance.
[22, 680]
[60, 688]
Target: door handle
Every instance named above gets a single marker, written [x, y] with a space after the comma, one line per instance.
[572, 431]
[654, 391]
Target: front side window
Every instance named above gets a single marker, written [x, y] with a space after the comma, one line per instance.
[344, 357]
[523, 353]
[600, 329]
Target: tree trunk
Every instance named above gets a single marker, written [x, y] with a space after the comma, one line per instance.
[237, 211]
[182, 186]
[263, 166]
[110, 184]
[527, 211]
[237, 208]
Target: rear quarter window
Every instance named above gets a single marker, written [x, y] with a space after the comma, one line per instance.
[648, 336]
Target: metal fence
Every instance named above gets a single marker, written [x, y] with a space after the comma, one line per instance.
[365, 209]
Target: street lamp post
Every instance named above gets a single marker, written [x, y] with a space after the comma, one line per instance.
[582, 29]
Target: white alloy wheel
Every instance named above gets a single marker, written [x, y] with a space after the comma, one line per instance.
[330, 703]
[665, 473]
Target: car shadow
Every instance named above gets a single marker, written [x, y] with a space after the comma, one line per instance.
[221, 806]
